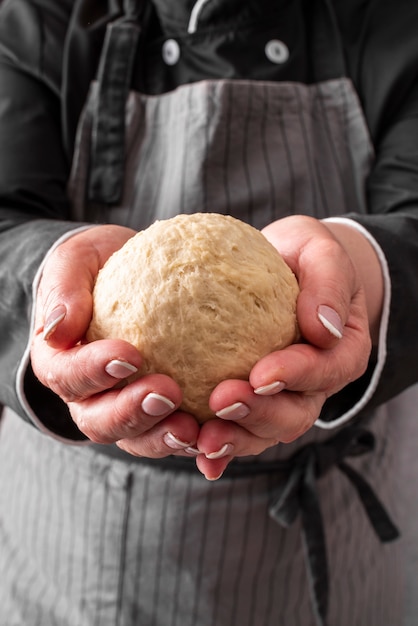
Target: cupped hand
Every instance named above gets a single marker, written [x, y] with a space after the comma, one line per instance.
[287, 389]
[142, 417]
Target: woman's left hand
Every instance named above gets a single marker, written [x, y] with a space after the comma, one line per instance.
[287, 389]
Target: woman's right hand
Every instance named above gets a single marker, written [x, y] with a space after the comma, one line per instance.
[141, 417]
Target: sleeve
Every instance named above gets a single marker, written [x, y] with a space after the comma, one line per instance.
[34, 210]
[393, 221]
[388, 85]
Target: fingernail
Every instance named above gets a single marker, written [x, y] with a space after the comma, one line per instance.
[214, 478]
[192, 451]
[53, 320]
[234, 412]
[175, 443]
[271, 389]
[155, 405]
[226, 450]
[120, 369]
[330, 320]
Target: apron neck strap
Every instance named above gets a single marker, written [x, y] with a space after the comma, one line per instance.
[114, 80]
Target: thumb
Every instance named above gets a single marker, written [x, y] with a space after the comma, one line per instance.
[325, 273]
[320, 324]
[329, 295]
[64, 302]
[63, 306]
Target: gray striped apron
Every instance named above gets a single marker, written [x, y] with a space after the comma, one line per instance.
[92, 537]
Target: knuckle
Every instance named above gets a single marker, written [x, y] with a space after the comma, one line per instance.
[307, 412]
[80, 419]
[54, 382]
[340, 373]
[124, 424]
[89, 426]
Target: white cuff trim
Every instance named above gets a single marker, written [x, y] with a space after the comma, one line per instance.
[382, 346]
[20, 378]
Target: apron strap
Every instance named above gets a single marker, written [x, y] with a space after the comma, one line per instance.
[298, 494]
[114, 80]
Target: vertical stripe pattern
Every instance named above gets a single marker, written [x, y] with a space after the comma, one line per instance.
[86, 540]
[257, 151]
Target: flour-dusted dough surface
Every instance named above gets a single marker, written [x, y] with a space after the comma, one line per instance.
[203, 297]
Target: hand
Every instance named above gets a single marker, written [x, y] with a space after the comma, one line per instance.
[287, 389]
[142, 417]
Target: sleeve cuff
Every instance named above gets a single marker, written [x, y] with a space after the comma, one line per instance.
[384, 323]
[24, 365]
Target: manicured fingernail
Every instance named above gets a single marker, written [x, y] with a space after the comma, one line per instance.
[234, 412]
[175, 443]
[330, 320]
[120, 369]
[214, 478]
[271, 389]
[192, 451]
[53, 320]
[226, 450]
[155, 405]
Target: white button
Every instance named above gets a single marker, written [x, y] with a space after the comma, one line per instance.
[277, 51]
[171, 51]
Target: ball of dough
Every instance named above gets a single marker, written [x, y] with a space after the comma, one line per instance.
[203, 297]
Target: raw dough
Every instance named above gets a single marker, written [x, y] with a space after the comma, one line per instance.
[203, 297]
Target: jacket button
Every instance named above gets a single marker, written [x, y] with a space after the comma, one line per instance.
[277, 51]
[171, 52]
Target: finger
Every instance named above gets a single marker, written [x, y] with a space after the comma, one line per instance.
[288, 388]
[212, 469]
[128, 412]
[219, 442]
[220, 438]
[263, 420]
[176, 434]
[84, 370]
[304, 368]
